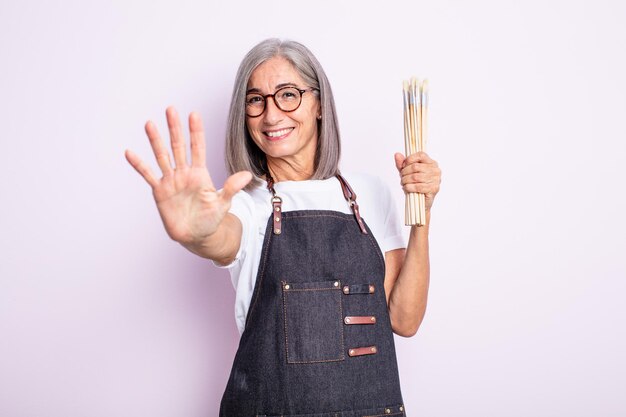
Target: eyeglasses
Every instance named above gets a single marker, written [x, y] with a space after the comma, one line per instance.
[286, 99]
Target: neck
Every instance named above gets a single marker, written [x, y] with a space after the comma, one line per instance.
[289, 170]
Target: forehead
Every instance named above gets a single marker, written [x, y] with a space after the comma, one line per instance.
[273, 72]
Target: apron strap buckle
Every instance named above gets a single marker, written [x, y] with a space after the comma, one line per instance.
[277, 214]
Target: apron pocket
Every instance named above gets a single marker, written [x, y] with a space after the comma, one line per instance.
[313, 321]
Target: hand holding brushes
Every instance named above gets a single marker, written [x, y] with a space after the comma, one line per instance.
[415, 95]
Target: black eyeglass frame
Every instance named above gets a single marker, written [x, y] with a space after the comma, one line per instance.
[265, 97]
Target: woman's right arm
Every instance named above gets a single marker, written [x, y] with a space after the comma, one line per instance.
[193, 212]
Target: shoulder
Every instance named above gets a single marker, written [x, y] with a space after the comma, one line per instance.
[367, 186]
[379, 209]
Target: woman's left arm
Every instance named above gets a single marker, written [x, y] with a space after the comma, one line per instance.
[407, 272]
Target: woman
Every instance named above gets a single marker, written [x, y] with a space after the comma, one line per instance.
[316, 301]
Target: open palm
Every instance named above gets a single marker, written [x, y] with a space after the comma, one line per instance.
[189, 204]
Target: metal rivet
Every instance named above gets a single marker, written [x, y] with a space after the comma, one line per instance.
[373, 319]
[373, 349]
[286, 286]
[346, 289]
[277, 231]
[347, 320]
[401, 408]
[277, 208]
[371, 288]
[351, 352]
[277, 219]
[336, 283]
[388, 411]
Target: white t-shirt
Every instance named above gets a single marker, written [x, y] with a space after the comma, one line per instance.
[253, 208]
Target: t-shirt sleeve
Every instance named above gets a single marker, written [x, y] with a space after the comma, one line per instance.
[393, 236]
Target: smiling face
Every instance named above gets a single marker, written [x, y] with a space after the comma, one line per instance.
[284, 136]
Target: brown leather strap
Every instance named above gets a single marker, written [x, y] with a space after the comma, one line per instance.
[348, 192]
[359, 289]
[270, 183]
[368, 350]
[359, 320]
[277, 202]
[277, 206]
[350, 195]
[277, 210]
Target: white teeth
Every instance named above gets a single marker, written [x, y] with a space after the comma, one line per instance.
[278, 133]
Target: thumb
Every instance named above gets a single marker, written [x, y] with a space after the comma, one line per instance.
[235, 183]
[399, 159]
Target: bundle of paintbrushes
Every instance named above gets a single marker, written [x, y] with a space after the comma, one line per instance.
[415, 131]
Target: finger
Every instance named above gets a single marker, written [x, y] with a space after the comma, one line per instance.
[413, 168]
[399, 160]
[198, 145]
[177, 138]
[141, 168]
[416, 179]
[418, 157]
[160, 152]
[420, 167]
[235, 183]
[417, 167]
[423, 188]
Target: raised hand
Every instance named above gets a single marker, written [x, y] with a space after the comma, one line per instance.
[191, 208]
[419, 173]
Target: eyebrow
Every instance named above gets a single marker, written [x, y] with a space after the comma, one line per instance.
[278, 87]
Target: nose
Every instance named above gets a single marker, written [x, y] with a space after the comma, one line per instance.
[272, 113]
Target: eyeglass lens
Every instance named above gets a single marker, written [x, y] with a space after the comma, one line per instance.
[286, 99]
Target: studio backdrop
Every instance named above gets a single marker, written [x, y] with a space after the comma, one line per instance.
[102, 315]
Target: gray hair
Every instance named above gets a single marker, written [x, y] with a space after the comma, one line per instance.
[241, 151]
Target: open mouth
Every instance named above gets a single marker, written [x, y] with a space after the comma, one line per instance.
[278, 134]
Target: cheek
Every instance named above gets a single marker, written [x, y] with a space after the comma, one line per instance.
[308, 120]
[253, 130]
[254, 134]
[249, 125]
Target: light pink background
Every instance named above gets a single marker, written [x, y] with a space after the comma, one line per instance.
[101, 315]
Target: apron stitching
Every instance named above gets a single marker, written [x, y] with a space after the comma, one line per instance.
[343, 357]
[377, 250]
[343, 346]
[369, 235]
[320, 361]
[285, 329]
[319, 215]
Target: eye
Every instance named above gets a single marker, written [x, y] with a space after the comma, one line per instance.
[289, 94]
[254, 99]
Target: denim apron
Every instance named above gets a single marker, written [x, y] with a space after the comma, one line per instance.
[318, 339]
